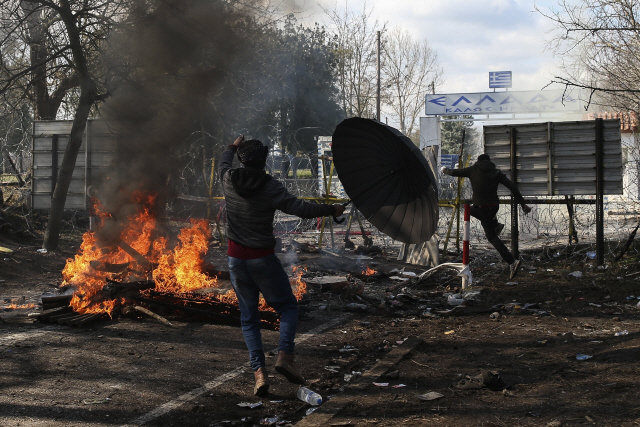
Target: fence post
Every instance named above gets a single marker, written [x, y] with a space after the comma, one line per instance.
[515, 251]
[600, 192]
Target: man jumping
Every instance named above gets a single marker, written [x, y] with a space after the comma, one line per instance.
[484, 179]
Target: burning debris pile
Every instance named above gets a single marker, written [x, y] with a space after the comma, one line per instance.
[143, 265]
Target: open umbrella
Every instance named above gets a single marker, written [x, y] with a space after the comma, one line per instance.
[387, 178]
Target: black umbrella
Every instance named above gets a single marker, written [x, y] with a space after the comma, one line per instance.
[387, 178]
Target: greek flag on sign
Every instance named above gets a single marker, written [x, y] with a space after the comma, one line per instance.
[498, 79]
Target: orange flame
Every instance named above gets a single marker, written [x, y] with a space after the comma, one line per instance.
[369, 271]
[181, 270]
[13, 305]
[300, 286]
[178, 270]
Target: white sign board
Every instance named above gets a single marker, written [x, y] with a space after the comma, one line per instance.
[542, 101]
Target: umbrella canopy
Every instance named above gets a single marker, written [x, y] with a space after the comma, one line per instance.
[387, 178]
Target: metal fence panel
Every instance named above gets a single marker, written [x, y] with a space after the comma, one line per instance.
[557, 158]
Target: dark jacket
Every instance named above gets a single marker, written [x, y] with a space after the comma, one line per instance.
[484, 179]
[252, 198]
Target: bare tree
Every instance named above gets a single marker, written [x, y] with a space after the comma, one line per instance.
[410, 68]
[356, 40]
[51, 52]
[597, 43]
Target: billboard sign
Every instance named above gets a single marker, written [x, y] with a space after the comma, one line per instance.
[500, 79]
[542, 101]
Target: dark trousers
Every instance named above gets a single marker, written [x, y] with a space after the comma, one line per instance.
[487, 217]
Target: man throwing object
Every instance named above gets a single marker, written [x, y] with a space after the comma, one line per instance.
[252, 198]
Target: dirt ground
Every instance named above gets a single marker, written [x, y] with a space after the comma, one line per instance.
[135, 371]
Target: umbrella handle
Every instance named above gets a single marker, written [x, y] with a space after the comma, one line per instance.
[341, 220]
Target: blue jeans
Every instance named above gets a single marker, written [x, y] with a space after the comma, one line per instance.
[263, 275]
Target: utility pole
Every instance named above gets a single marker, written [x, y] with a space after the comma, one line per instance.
[378, 87]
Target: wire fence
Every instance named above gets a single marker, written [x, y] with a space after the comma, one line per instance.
[546, 227]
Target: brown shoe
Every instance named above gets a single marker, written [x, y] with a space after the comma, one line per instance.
[261, 388]
[286, 367]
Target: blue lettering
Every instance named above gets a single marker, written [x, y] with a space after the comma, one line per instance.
[439, 101]
[538, 98]
[486, 97]
[460, 100]
[509, 99]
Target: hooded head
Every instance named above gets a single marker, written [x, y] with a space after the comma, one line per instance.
[253, 154]
[484, 157]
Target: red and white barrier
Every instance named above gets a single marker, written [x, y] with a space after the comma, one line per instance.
[465, 246]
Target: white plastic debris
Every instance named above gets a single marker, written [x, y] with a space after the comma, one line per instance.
[576, 274]
[432, 395]
[249, 405]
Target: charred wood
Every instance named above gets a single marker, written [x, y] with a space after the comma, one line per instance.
[108, 267]
[130, 308]
[57, 301]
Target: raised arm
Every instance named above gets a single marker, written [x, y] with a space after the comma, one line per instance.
[464, 172]
[226, 160]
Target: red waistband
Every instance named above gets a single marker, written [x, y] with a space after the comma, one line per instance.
[236, 250]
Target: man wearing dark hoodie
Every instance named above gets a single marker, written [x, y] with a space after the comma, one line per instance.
[252, 198]
[484, 179]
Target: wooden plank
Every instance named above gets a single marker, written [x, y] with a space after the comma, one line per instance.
[322, 415]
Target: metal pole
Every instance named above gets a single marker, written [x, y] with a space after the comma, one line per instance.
[378, 85]
[514, 206]
[460, 183]
[599, 192]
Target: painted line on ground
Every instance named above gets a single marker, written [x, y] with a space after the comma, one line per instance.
[21, 336]
[194, 394]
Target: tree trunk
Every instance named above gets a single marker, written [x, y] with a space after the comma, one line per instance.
[52, 233]
[88, 92]
[59, 198]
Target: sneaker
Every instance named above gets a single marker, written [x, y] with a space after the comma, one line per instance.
[499, 228]
[514, 269]
[286, 367]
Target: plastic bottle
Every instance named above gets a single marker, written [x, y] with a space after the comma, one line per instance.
[309, 396]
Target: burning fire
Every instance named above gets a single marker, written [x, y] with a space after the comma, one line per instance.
[14, 305]
[181, 270]
[300, 286]
[140, 254]
[369, 271]
[178, 270]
